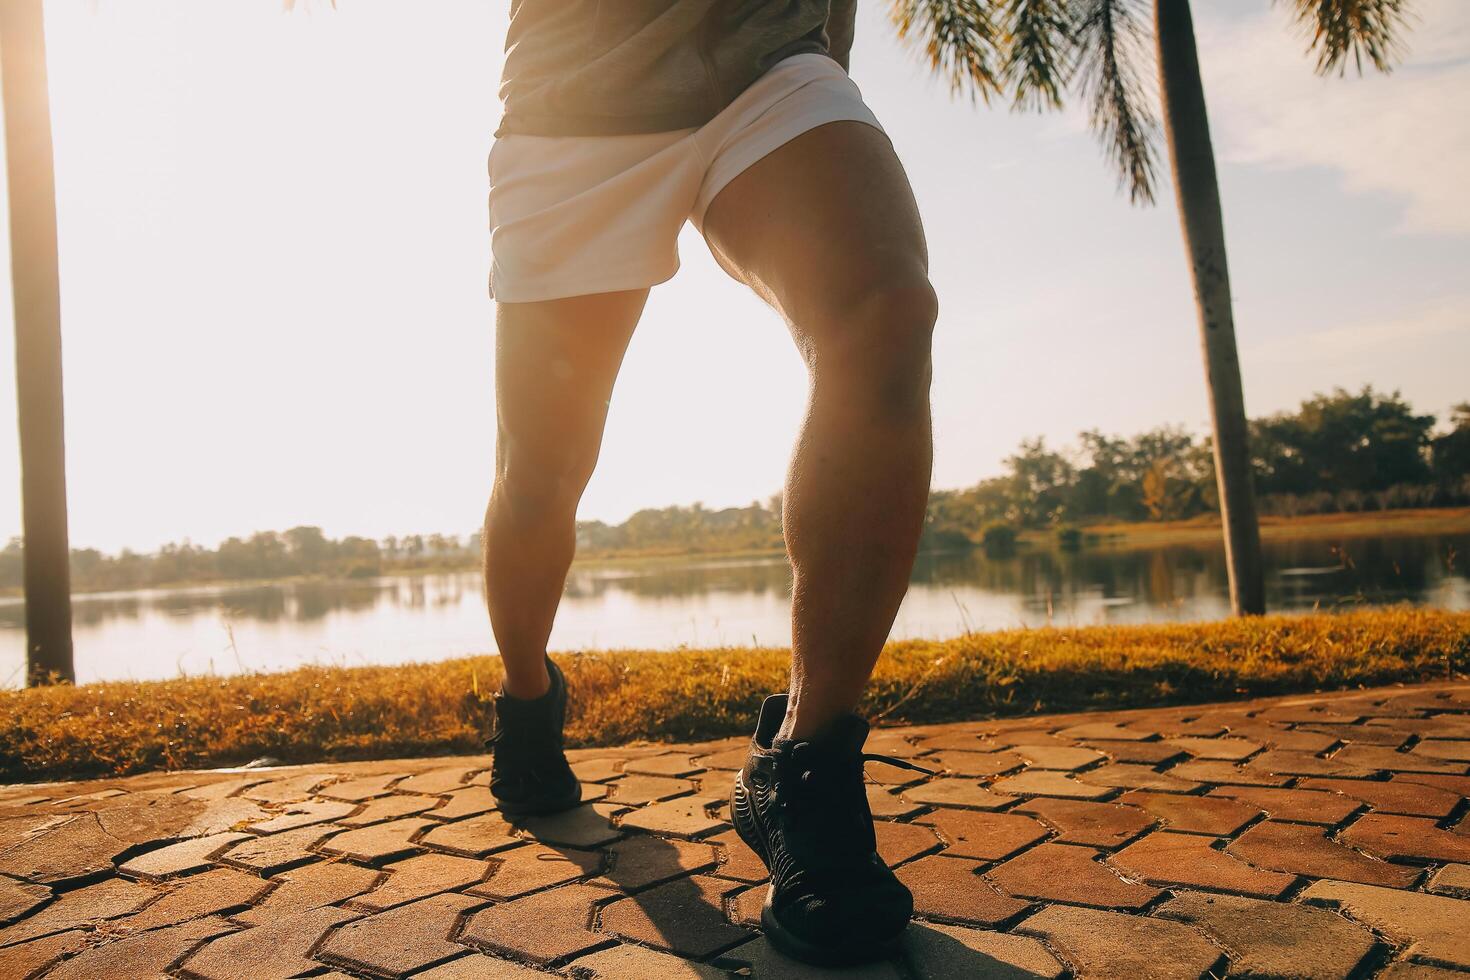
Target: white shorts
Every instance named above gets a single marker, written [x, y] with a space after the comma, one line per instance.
[572, 215]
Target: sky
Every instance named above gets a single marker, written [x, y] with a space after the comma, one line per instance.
[274, 248]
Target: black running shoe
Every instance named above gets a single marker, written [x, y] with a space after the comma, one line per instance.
[801, 806]
[529, 775]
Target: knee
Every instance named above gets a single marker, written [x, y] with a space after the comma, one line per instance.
[535, 483]
[878, 340]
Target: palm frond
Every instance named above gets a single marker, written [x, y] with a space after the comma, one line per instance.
[958, 38]
[1038, 52]
[1360, 28]
[1111, 42]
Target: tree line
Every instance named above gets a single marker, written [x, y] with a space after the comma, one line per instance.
[1344, 451]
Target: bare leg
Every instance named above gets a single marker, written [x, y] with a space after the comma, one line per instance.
[555, 364]
[826, 230]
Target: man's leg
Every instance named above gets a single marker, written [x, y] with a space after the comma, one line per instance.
[825, 228]
[555, 364]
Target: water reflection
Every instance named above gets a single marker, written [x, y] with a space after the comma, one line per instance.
[707, 602]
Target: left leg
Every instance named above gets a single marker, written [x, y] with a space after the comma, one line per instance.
[826, 230]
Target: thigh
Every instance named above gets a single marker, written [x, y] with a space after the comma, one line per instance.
[823, 219]
[555, 365]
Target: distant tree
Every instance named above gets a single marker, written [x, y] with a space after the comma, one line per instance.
[1450, 453]
[1342, 441]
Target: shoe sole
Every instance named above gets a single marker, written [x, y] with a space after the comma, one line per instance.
[515, 811]
[851, 953]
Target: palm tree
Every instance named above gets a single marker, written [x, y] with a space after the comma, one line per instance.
[33, 265]
[1031, 51]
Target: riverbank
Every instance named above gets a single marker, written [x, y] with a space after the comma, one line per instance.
[1206, 530]
[316, 714]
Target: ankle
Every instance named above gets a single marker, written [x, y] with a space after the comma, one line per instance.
[526, 683]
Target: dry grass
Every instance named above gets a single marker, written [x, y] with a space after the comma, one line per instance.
[1206, 527]
[421, 709]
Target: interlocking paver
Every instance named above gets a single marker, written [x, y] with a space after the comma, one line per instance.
[1452, 879]
[532, 867]
[468, 802]
[180, 858]
[435, 782]
[684, 916]
[737, 860]
[542, 928]
[1303, 849]
[473, 837]
[626, 962]
[1430, 926]
[77, 847]
[941, 952]
[1193, 814]
[401, 940]
[361, 789]
[1166, 858]
[1113, 946]
[1221, 772]
[759, 959]
[277, 852]
[637, 862]
[94, 903]
[289, 789]
[597, 770]
[1105, 825]
[637, 789]
[1297, 805]
[976, 764]
[669, 764]
[1398, 838]
[1144, 753]
[28, 958]
[950, 888]
[145, 955]
[378, 842]
[386, 808]
[211, 893]
[419, 877]
[1411, 799]
[268, 951]
[1071, 874]
[1284, 762]
[475, 966]
[303, 814]
[1275, 939]
[1045, 782]
[984, 836]
[687, 816]
[1380, 757]
[949, 791]
[1455, 784]
[886, 805]
[1125, 775]
[309, 887]
[1229, 749]
[17, 898]
[588, 825]
[1062, 757]
[1108, 731]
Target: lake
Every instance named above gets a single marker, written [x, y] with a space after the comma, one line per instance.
[712, 602]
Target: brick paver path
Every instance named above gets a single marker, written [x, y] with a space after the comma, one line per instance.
[1320, 836]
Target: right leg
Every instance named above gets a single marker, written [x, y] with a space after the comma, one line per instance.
[555, 364]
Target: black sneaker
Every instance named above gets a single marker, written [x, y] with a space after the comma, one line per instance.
[529, 775]
[801, 806]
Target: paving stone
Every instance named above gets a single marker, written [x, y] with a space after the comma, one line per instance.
[1164, 858]
[1430, 926]
[303, 815]
[684, 916]
[886, 775]
[963, 741]
[1411, 799]
[885, 805]
[737, 860]
[940, 952]
[984, 836]
[474, 837]
[1105, 825]
[18, 897]
[1297, 805]
[363, 788]
[312, 886]
[1112, 946]
[1061, 757]
[1437, 726]
[469, 802]
[1306, 714]
[222, 789]
[637, 862]
[27, 959]
[625, 962]
[955, 792]
[82, 907]
[1452, 879]
[1108, 731]
[225, 815]
[759, 959]
[533, 867]
[1361, 734]
[1275, 939]
[75, 848]
[672, 764]
[975, 764]
[687, 816]
[1067, 873]
[290, 789]
[1194, 814]
[637, 789]
[588, 825]
[421, 876]
[1283, 762]
[1418, 971]
[1218, 772]
[951, 888]
[378, 842]
[1281, 738]
[1303, 849]
[146, 955]
[435, 782]
[477, 966]
[543, 928]
[900, 842]
[1441, 749]
[180, 858]
[197, 896]
[386, 808]
[1399, 838]
[1455, 784]
[730, 760]
[882, 741]
[1043, 782]
[1228, 749]
[277, 852]
[1380, 757]
[401, 940]
[1146, 753]
[266, 952]
[597, 770]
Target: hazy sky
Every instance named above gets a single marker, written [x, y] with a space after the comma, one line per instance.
[274, 245]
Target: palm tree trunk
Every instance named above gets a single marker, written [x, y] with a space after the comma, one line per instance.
[33, 266]
[1187, 129]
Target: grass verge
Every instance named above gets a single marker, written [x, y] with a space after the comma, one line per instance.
[423, 709]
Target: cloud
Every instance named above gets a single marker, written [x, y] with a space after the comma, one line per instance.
[1405, 135]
